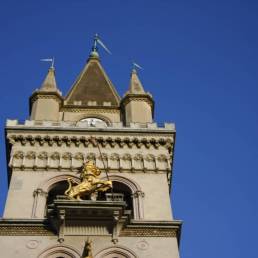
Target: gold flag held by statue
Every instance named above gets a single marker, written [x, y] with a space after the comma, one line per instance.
[90, 183]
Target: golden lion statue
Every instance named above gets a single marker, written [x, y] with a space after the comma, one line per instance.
[90, 183]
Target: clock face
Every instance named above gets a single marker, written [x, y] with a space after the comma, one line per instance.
[92, 121]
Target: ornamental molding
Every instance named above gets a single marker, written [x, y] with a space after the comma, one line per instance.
[116, 250]
[46, 95]
[89, 110]
[85, 141]
[149, 232]
[141, 97]
[22, 230]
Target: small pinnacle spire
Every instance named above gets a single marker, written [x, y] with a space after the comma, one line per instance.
[49, 84]
[135, 85]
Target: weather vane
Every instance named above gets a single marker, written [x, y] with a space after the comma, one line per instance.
[136, 66]
[52, 60]
[98, 41]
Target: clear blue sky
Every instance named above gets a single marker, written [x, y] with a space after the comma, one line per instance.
[200, 62]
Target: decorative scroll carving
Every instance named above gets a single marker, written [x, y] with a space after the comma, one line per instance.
[18, 159]
[78, 156]
[138, 161]
[43, 155]
[55, 156]
[114, 161]
[18, 155]
[91, 156]
[31, 155]
[67, 156]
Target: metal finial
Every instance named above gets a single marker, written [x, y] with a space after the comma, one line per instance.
[95, 40]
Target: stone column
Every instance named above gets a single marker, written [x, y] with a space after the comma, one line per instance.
[39, 204]
[138, 204]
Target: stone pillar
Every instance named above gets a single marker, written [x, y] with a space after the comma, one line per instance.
[39, 204]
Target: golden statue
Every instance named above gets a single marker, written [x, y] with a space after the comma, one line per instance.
[87, 253]
[90, 183]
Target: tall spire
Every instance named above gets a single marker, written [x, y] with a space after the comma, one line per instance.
[49, 84]
[135, 85]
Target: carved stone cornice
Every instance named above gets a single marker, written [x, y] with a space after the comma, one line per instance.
[77, 141]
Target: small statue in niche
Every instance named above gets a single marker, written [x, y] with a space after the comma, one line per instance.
[87, 252]
[90, 183]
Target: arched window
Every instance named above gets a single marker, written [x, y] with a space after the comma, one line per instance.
[57, 189]
[116, 252]
[61, 251]
[120, 192]
[131, 191]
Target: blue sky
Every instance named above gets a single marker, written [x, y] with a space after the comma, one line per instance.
[200, 62]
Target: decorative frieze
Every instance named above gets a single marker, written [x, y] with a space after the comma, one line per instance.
[19, 230]
[148, 232]
[73, 161]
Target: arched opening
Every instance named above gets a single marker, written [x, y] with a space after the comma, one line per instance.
[56, 186]
[57, 189]
[119, 192]
[116, 252]
[60, 252]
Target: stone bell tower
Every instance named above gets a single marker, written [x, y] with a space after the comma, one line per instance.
[65, 144]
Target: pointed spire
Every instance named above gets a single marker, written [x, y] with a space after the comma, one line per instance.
[49, 84]
[135, 85]
[93, 85]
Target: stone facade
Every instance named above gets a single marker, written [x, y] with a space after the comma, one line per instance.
[119, 135]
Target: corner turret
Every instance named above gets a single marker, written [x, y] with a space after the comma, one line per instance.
[45, 102]
[137, 104]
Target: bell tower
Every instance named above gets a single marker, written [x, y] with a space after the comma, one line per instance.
[90, 173]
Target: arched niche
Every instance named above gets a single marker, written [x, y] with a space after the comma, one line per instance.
[118, 188]
[63, 251]
[56, 185]
[117, 251]
[49, 183]
[46, 191]
[137, 194]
